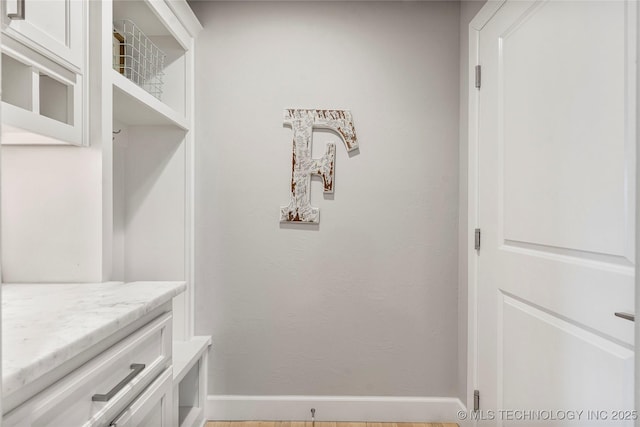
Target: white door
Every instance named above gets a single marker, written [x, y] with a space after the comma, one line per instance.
[556, 206]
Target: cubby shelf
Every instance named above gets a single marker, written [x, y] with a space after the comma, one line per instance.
[188, 416]
[189, 380]
[132, 105]
[186, 353]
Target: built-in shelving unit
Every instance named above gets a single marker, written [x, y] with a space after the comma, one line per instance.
[152, 177]
[152, 157]
[120, 207]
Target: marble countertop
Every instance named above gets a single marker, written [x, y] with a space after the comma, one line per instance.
[45, 325]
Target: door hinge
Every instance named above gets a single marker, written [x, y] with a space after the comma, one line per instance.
[478, 76]
[476, 400]
[477, 240]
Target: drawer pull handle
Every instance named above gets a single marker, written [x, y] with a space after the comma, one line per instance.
[20, 16]
[627, 316]
[136, 368]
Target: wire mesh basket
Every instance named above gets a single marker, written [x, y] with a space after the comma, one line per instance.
[138, 58]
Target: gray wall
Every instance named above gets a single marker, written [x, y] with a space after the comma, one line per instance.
[366, 303]
[468, 9]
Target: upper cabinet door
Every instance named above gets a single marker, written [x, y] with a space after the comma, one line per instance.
[53, 28]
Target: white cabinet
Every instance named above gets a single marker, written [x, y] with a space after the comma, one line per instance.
[42, 102]
[43, 73]
[132, 380]
[53, 28]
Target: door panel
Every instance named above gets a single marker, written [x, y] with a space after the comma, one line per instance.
[552, 63]
[575, 363]
[556, 205]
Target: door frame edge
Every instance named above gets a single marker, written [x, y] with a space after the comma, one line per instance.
[637, 234]
[477, 23]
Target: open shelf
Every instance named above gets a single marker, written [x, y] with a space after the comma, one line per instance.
[153, 51]
[187, 415]
[186, 353]
[142, 14]
[189, 379]
[132, 105]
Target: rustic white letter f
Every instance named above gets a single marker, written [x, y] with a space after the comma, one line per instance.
[303, 165]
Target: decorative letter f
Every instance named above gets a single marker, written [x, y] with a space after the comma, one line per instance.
[303, 165]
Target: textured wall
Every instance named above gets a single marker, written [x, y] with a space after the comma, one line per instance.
[366, 302]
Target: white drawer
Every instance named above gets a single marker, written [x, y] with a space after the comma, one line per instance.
[153, 408]
[69, 402]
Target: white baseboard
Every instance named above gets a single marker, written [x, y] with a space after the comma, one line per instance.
[333, 408]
